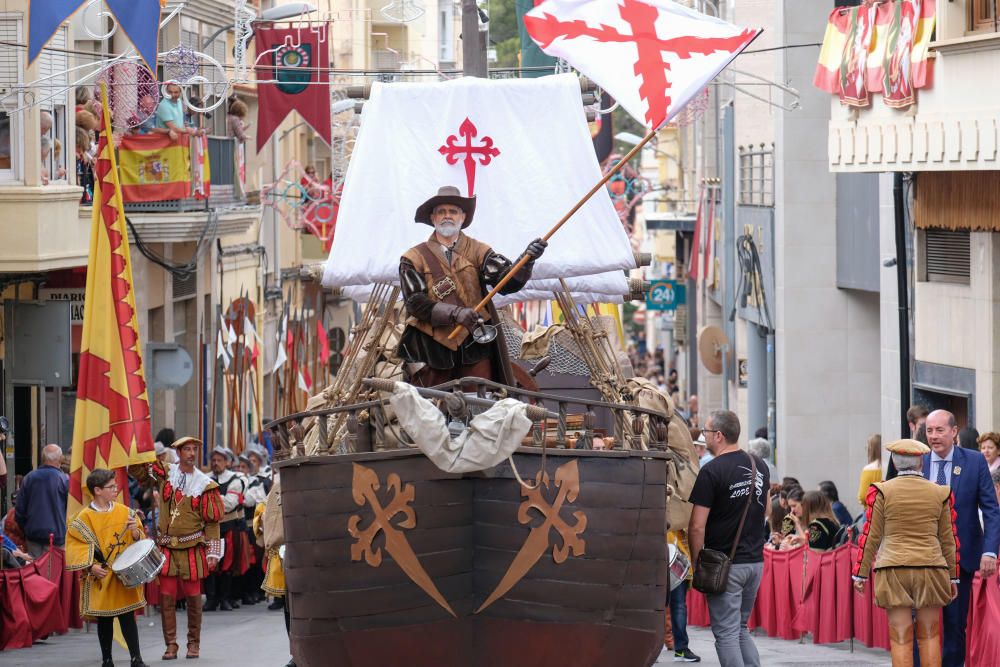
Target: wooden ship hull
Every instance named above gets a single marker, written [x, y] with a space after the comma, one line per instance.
[390, 561]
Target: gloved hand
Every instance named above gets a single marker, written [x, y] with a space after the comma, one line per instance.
[467, 317]
[536, 248]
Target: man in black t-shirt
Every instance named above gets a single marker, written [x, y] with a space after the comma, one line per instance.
[719, 497]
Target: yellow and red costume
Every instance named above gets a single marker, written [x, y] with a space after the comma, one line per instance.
[188, 534]
[100, 537]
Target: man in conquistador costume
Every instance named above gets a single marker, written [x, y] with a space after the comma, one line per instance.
[443, 279]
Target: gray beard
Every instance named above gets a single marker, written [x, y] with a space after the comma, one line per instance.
[447, 230]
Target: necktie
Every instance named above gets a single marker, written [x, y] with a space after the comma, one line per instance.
[940, 476]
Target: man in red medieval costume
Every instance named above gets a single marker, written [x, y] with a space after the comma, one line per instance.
[188, 535]
[443, 279]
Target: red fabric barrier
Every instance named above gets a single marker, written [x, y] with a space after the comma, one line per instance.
[787, 587]
[697, 607]
[30, 607]
[871, 624]
[51, 566]
[37, 600]
[983, 635]
[812, 591]
[825, 609]
[762, 615]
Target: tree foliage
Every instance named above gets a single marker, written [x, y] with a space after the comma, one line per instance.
[504, 35]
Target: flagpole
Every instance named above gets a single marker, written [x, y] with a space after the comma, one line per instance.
[525, 259]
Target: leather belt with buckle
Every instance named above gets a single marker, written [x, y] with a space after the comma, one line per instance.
[443, 288]
[175, 541]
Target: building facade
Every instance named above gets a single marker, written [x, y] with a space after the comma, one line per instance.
[802, 338]
[945, 146]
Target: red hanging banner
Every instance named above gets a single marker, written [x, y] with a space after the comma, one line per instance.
[292, 75]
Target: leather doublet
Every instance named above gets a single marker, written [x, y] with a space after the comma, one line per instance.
[457, 283]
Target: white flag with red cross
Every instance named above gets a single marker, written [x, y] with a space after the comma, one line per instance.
[653, 56]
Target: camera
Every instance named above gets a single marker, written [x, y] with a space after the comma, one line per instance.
[4, 425]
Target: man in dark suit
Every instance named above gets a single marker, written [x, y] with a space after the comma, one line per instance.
[968, 475]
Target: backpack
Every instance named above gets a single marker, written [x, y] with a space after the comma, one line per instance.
[683, 469]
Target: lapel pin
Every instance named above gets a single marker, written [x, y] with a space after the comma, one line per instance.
[957, 470]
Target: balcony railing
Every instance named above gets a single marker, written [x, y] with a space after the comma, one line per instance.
[225, 190]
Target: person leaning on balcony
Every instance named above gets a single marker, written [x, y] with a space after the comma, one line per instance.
[57, 154]
[83, 96]
[144, 120]
[910, 539]
[194, 118]
[46, 151]
[170, 114]
[236, 121]
[45, 122]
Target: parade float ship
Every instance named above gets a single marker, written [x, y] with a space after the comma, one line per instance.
[551, 552]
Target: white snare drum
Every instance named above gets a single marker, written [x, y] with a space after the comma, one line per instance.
[680, 566]
[138, 564]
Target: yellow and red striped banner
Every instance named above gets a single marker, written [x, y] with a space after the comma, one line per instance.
[111, 427]
[155, 167]
[877, 49]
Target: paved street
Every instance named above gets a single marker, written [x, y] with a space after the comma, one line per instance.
[246, 637]
[255, 637]
[778, 652]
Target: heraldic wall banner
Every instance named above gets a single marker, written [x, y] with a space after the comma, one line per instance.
[292, 74]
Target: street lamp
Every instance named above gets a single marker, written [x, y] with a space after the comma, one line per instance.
[270, 15]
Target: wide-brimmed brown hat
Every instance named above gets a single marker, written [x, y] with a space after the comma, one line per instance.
[448, 194]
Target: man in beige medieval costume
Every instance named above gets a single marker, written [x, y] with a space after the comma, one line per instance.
[443, 279]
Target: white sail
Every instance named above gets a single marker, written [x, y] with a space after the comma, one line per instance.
[546, 162]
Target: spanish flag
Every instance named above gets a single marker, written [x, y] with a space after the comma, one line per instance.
[155, 167]
[877, 49]
[111, 427]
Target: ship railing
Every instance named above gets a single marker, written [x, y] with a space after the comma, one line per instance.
[634, 427]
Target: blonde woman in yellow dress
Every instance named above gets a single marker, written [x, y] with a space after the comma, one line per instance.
[270, 534]
[98, 535]
[871, 473]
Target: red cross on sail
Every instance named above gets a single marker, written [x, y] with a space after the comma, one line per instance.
[672, 52]
[483, 153]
